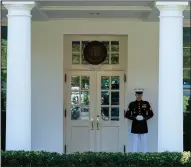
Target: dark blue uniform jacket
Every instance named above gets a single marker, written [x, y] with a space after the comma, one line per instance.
[139, 108]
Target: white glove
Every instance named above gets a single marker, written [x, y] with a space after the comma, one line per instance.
[139, 117]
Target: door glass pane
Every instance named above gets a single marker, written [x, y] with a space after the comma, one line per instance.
[75, 112]
[114, 46]
[104, 98]
[106, 44]
[78, 113]
[110, 99]
[85, 98]
[75, 58]
[114, 52]
[75, 82]
[106, 60]
[85, 82]
[80, 97]
[114, 58]
[83, 59]
[75, 98]
[105, 113]
[84, 43]
[114, 98]
[115, 80]
[115, 113]
[75, 46]
[105, 82]
[84, 113]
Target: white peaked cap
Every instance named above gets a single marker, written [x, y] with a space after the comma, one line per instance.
[140, 90]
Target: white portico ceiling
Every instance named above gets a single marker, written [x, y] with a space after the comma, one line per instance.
[45, 10]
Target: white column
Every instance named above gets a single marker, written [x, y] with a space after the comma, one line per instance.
[170, 100]
[18, 111]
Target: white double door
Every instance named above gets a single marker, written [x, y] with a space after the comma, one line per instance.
[95, 112]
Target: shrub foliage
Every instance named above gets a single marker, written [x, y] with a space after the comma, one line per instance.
[90, 159]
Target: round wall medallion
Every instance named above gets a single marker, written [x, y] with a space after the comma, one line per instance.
[95, 52]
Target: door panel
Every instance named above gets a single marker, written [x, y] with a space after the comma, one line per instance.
[95, 119]
[110, 119]
[80, 134]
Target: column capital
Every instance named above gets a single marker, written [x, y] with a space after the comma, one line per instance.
[19, 8]
[171, 9]
[168, 5]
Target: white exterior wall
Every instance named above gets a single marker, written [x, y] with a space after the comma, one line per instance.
[48, 75]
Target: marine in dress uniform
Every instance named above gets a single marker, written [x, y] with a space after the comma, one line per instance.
[139, 112]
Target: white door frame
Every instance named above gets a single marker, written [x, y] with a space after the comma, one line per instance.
[95, 144]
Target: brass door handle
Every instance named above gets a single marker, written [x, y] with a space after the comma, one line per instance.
[92, 124]
[97, 123]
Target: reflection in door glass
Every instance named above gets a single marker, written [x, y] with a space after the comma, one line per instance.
[106, 44]
[84, 43]
[75, 46]
[80, 97]
[84, 113]
[105, 82]
[75, 98]
[75, 82]
[114, 98]
[114, 46]
[104, 98]
[110, 99]
[115, 82]
[75, 113]
[78, 113]
[115, 113]
[85, 82]
[85, 98]
[75, 58]
[115, 58]
[105, 113]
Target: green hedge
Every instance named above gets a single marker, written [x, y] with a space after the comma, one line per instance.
[39, 159]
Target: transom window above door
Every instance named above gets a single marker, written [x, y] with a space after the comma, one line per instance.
[112, 52]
